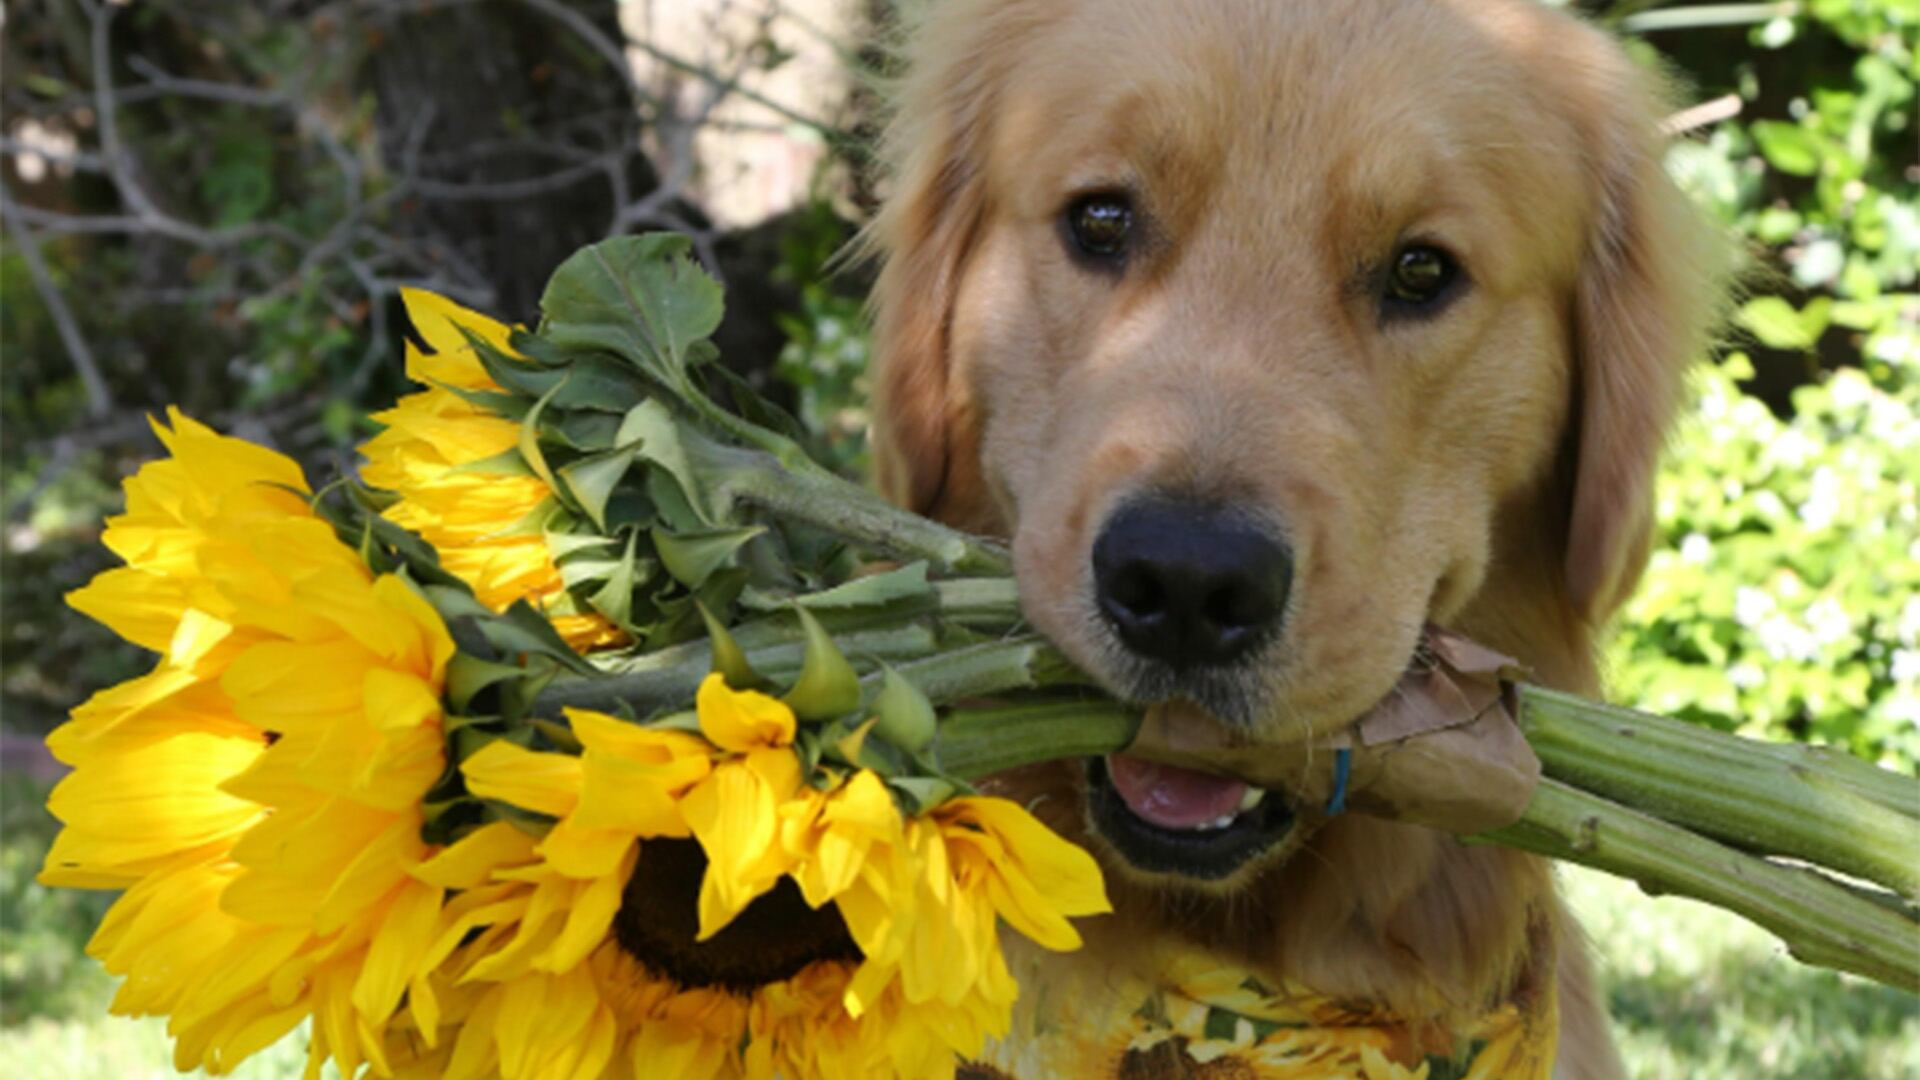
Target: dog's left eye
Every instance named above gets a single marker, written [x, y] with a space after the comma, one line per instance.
[1420, 275]
[1100, 225]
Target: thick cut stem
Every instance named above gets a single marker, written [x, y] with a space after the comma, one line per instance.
[1740, 791]
[1820, 921]
[666, 681]
[824, 501]
[1024, 663]
[974, 743]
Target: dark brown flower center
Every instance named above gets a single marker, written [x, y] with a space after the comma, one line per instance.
[773, 939]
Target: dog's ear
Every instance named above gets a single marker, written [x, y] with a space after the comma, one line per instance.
[1649, 290]
[923, 437]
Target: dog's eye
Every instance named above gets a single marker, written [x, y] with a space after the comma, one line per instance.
[1100, 225]
[1420, 274]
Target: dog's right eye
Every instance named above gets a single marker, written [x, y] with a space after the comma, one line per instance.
[1099, 225]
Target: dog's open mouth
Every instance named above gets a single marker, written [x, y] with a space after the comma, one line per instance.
[1169, 820]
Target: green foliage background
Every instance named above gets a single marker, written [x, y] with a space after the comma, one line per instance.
[1784, 600]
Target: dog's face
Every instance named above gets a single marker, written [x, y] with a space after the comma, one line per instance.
[1247, 323]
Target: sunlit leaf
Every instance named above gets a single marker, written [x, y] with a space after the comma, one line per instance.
[640, 297]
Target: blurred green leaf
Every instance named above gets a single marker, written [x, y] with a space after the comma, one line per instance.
[1789, 147]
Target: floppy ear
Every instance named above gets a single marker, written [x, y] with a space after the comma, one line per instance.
[924, 438]
[1649, 290]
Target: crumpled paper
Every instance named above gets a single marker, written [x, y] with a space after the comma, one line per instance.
[1444, 749]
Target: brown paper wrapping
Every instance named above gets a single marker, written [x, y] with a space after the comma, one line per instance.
[1442, 750]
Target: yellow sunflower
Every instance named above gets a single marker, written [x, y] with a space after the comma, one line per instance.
[921, 899]
[470, 516]
[258, 793]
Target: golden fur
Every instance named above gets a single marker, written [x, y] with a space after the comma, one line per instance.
[1488, 468]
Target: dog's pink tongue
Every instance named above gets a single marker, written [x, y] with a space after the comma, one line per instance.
[1170, 796]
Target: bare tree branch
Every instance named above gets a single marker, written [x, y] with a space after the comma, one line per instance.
[99, 398]
[159, 84]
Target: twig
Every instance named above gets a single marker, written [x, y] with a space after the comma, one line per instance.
[1706, 15]
[160, 84]
[1702, 115]
[99, 397]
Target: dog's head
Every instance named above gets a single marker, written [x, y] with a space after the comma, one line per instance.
[1260, 328]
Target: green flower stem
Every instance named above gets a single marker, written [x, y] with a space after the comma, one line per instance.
[974, 743]
[976, 671]
[988, 606]
[666, 680]
[1828, 810]
[982, 603]
[1820, 921]
[818, 498]
[1553, 711]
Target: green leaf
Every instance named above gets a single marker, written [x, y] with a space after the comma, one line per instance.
[751, 406]
[1775, 323]
[591, 480]
[580, 571]
[588, 432]
[640, 297]
[1789, 147]
[653, 426]
[422, 561]
[560, 735]
[521, 629]
[468, 675]
[923, 793]
[692, 557]
[504, 463]
[510, 373]
[1221, 1024]
[535, 522]
[600, 385]
[505, 406]
[564, 544]
[369, 499]
[530, 438]
[456, 602]
[615, 598]
[873, 591]
[670, 503]
[827, 686]
[686, 720]
[538, 349]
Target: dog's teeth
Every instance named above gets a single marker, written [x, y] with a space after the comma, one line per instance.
[1252, 798]
[1220, 822]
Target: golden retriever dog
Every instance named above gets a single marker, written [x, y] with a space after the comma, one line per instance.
[1268, 332]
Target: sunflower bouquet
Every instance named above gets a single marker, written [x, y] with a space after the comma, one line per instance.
[596, 730]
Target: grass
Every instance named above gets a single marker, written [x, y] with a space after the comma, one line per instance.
[1695, 992]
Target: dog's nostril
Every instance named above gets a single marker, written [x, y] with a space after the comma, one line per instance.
[1189, 585]
[1237, 608]
[1136, 589]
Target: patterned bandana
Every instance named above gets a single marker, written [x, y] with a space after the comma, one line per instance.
[1201, 1016]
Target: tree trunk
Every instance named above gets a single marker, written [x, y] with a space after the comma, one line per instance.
[511, 105]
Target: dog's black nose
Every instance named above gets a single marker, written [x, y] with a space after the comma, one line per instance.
[1190, 585]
